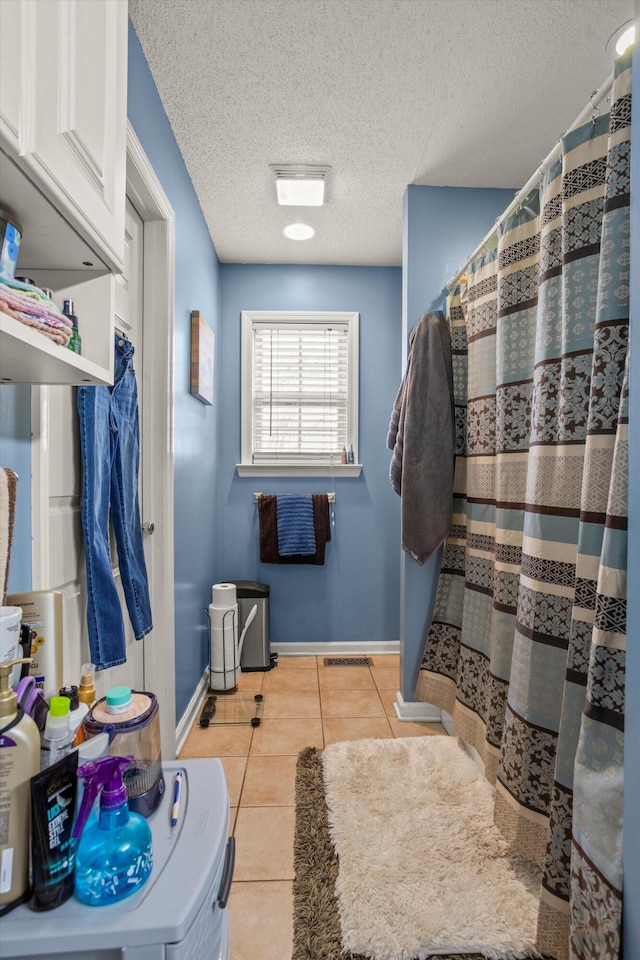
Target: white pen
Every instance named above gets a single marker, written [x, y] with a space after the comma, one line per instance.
[177, 790]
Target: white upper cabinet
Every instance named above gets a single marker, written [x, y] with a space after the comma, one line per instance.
[63, 129]
[63, 109]
[16, 82]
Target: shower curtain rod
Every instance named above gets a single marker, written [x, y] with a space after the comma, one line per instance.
[591, 110]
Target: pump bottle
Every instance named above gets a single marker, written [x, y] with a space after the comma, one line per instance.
[19, 761]
[87, 690]
[114, 856]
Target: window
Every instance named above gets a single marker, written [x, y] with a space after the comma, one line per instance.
[299, 393]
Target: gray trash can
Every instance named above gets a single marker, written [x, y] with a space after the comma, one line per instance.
[256, 653]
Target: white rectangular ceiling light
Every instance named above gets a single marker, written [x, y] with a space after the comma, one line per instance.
[300, 193]
[300, 186]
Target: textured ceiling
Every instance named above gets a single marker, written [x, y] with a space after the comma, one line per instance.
[387, 92]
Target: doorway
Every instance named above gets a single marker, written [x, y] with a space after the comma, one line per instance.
[144, 308]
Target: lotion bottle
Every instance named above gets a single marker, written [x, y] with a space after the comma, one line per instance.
[19, 761]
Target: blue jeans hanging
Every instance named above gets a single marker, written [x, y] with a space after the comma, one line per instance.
[110, 448]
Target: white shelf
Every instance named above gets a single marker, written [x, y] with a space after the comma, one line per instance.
[27, 356]
[53, 255]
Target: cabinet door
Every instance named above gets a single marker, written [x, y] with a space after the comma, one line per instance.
[17, 85]
[79, 133]
[63, 112]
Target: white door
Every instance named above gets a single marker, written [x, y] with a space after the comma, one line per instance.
[142, 670]
[144, 297]
[64, 565]
[128, 321]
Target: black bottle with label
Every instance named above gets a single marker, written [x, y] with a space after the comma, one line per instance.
[75, 343]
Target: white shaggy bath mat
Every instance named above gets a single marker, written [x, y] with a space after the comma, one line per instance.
[422, 868]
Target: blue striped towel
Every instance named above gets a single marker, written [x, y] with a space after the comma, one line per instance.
[296, 534]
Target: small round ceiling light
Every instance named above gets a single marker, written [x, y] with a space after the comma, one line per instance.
[625, 41]
[621, 39]
[299, 231]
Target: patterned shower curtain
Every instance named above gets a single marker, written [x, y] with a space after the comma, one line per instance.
[526, 647]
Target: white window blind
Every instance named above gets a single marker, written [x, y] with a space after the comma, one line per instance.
[301, 398]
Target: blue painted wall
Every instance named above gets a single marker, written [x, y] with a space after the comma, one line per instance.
[631, 893]
[15, 452]
[195, 425]
[441, 228]
[354, 596]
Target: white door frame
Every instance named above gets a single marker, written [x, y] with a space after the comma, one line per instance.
[147, 195]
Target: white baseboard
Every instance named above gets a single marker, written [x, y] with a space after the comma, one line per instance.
[188, 718]
[332, 648]
[416, 711]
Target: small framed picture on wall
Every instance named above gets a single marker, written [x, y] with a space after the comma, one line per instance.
[202, 343]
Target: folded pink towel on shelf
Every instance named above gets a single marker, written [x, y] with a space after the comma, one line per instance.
[34, 308]
[61, 335]
[43, 310]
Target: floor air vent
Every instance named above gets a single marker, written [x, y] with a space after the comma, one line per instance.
[348, 662]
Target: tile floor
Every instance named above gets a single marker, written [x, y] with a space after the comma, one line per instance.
[305, 704]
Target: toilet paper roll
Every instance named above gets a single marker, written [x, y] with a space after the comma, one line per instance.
[223, 595]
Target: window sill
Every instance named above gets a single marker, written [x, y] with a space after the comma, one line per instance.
[299, 470]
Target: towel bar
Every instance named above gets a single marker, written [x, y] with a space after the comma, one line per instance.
[331, 497]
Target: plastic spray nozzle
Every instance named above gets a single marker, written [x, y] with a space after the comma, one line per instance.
[101, 776]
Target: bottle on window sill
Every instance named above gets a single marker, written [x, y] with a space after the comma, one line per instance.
[75, 343]
[350, 455]
[343, 458]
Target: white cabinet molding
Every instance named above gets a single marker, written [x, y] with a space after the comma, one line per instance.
[63, 112]
[63, 122]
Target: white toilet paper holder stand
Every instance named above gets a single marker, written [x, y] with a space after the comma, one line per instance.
[225, 677]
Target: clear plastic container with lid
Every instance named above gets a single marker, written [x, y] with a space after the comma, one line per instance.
[131, 719]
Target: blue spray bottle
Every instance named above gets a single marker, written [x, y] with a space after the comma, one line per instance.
[114, 855]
